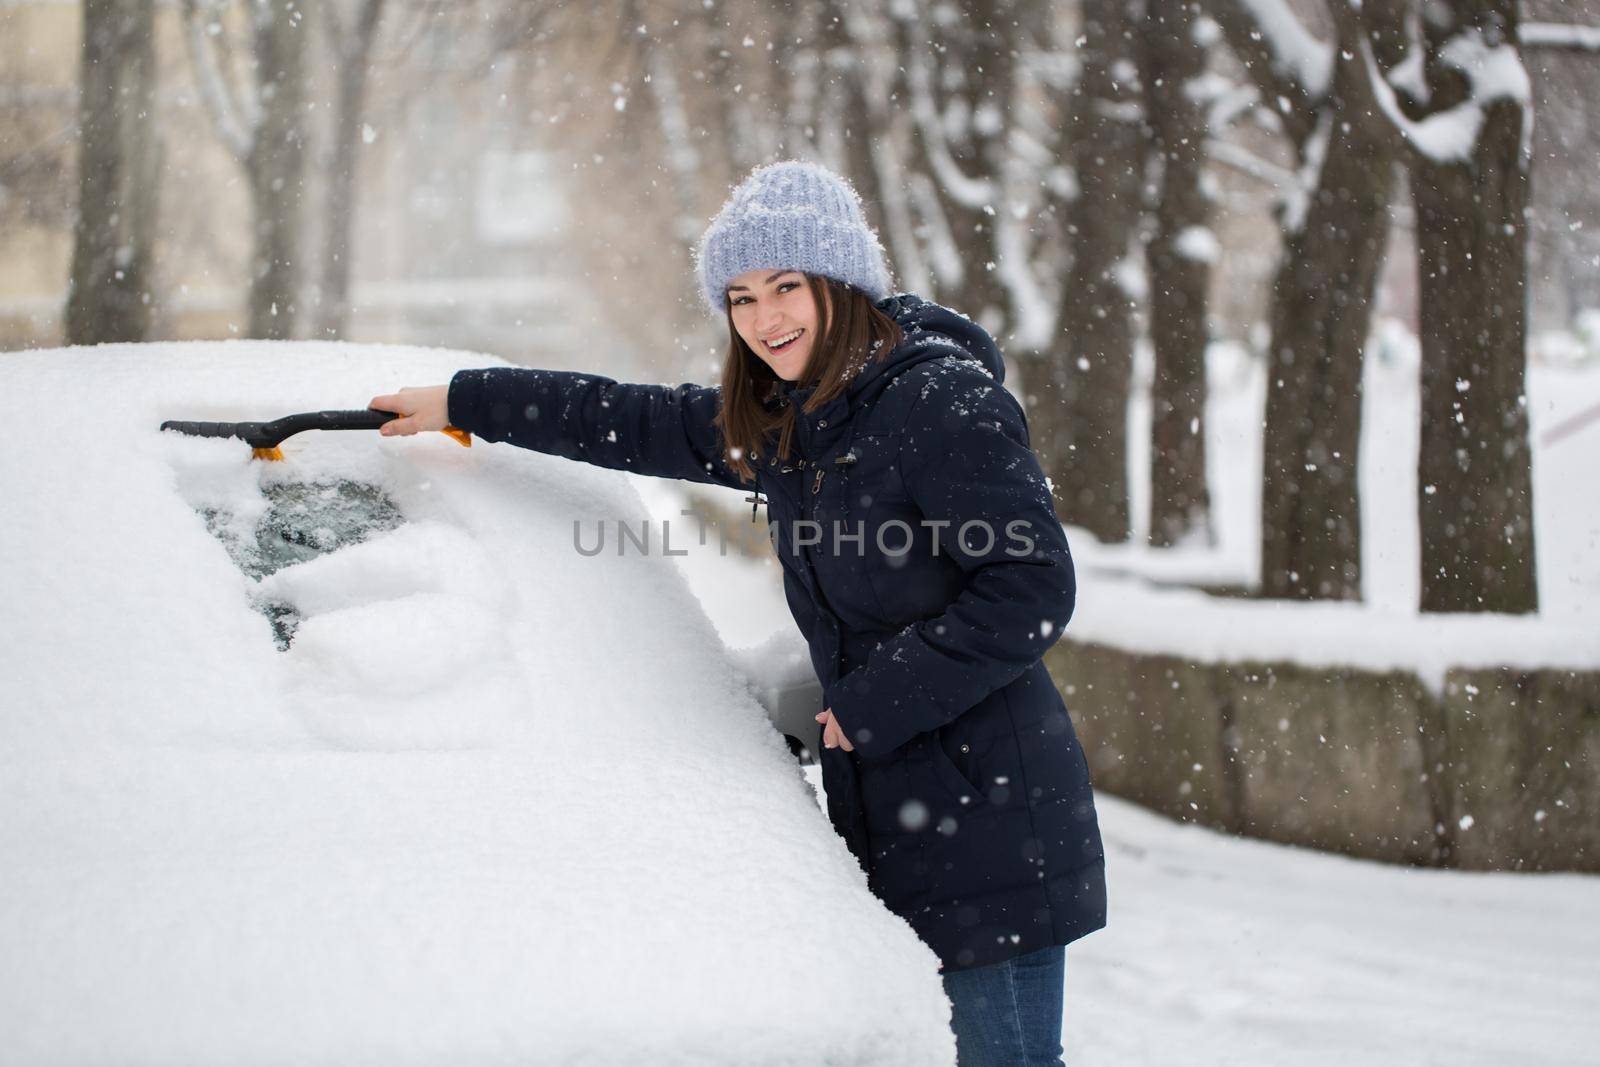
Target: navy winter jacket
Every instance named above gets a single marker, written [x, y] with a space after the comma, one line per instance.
[925, 565]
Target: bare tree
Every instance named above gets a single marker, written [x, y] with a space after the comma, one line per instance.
[883, 79]
[1179, 256]
[1336, 224]
[960, 67]
[848, 117]
[351, 39]
[979, 82]
[1455, 109]
[276, 165]
[266, 132]
[118, 157]
[1081, 400]
[850, 120]
[1468, 144]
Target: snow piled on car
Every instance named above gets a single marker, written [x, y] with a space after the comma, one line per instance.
[495, 801]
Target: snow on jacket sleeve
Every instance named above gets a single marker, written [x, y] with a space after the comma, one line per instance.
[965, 458]
[659, 430]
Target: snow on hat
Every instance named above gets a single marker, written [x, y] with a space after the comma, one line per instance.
[791, 215]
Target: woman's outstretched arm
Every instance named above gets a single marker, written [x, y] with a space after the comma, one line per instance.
[659, 430]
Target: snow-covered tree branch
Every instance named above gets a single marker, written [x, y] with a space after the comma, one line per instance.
[1491, 74]
[1559, 36]
[1290, 67]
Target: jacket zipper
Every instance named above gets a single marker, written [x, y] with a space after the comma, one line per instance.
[816, 483]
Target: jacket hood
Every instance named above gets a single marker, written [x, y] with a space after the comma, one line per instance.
[930, 331]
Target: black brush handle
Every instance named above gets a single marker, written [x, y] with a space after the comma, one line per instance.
[271, 434]
[211, 429]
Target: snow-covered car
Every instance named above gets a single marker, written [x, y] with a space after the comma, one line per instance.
[353, 757]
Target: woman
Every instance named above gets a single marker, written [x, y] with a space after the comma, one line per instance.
[923, 562]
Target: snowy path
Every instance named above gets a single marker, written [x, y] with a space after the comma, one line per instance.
[1228, 950]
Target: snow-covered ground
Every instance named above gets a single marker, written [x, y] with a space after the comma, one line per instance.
[497, 802]
[1224, 950]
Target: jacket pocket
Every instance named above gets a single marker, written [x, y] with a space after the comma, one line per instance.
[950, 755]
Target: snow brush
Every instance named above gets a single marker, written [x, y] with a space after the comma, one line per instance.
[265, 437]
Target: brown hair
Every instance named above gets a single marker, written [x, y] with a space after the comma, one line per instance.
[853, 333]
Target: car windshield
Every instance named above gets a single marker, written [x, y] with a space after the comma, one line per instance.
[303, 520]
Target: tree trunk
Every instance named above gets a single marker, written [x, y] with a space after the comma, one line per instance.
[333, 317]
[117, 160]
[275, 167]
[974, 71]
[1079, 409]
[1321, 317]
[860, 121]
[1311, 503]
[1475, 501]
[1179, 259]
[879, 141]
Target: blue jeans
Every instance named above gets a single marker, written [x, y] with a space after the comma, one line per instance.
[1008, 1014]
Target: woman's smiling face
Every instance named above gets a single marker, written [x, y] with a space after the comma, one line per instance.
[776, 315]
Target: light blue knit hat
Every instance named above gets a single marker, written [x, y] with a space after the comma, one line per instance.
[791, 215]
